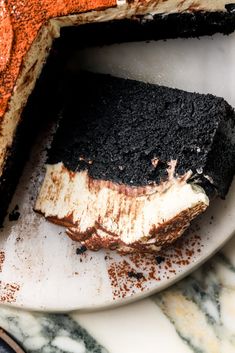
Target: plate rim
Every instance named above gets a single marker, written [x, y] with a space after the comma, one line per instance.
[193, 266]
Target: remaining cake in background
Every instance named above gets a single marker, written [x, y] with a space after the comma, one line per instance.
[132, 164]
[27, 31]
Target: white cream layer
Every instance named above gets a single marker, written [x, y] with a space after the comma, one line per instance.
[129, 215]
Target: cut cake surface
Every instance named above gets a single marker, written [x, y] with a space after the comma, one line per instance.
[27, 31]
[132, 163]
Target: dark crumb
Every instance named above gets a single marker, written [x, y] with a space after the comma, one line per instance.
[212, 217]
[15, 214]
[137, 275]
[18, 239]
[230, 7]
[160, 259]
[106, 257]
[81, 250]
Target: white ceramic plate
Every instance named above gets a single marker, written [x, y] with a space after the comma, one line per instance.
[39, 265]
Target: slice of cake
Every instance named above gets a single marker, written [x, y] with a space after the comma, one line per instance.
[27, 31]
[132, 163]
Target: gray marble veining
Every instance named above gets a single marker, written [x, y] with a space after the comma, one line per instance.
[48, 333]
[201, 306]
[200, 309]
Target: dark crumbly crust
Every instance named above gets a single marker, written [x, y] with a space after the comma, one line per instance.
[167, 26]
[13, 169]
[33, 118]
[149, 27]
[117, 129]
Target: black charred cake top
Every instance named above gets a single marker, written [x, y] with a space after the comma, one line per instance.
[127, 132]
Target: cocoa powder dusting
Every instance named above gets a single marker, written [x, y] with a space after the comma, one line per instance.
[134, 272]
[2, 259]
[8, 292]
[21, 21]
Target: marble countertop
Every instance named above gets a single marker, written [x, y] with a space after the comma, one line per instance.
[196, 315]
